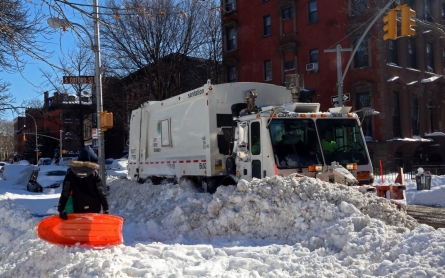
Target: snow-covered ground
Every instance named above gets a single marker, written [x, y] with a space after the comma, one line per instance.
[274, 227]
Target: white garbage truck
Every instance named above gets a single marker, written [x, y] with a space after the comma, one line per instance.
[217, 134]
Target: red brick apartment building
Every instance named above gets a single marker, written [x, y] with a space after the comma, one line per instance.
[265, 40]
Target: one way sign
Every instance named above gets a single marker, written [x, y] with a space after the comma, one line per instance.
[346, 97]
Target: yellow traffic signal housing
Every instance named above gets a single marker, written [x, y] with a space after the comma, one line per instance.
[408, 21]
[390, 27]
[106, 120]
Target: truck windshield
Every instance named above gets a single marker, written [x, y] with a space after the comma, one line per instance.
[296, 143]
[342, 141]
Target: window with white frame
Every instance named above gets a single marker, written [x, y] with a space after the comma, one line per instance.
[429, 58]
[266, 26]
[230, 5]
[268, 70]
[230, 38]
[393, 52]
[313, 56]
[289, 65]
[288, 12]
[358, 7]
[231, 74]
[412, 61]
[361, 57]
[312, 11]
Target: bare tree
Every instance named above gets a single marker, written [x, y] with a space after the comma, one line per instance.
[21, 34]
[76, 100]
[156, 37]
[6, 139]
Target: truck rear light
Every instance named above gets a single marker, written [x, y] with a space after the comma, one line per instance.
[351, 166]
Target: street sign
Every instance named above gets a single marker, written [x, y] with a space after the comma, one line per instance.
[78, 80]
[346, 97]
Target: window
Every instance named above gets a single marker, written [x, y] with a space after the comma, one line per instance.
[358, 7]
[255, 138]
[231, 74]
[427, 16]
[361, 57]
[313, 15]
[289, 65]
[429, 58]
[393, 52]
[396, 130]
[443, 11]
[415, 115]
[230, 5]
[230, 38]
[364, 100]
[268, 70]
[266, 25]
[288, 13]
[412, 53]
[313, 56]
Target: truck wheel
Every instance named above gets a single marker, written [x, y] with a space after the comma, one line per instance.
[141, 180]
[227, 180]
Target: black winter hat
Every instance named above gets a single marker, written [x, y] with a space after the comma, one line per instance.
[87, 154]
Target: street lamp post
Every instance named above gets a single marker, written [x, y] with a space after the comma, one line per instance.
[95, 46]
[37, 145]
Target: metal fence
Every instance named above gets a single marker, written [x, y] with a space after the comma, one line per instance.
[390, 175]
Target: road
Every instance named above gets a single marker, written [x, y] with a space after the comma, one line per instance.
[432, 216]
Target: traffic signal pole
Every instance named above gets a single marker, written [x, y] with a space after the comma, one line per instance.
[340, 75]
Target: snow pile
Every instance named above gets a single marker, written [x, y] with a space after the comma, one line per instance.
[285, 209]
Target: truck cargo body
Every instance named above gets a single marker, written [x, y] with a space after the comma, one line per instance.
[198, 135]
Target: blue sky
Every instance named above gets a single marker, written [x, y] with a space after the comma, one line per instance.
[29, 84]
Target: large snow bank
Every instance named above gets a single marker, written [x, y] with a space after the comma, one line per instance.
[285, 209]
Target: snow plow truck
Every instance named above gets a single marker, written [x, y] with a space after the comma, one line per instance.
[217, 134]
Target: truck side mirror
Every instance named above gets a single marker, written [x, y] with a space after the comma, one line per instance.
[243, 135]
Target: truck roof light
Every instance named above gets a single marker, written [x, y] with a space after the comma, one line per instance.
[302, 115]
[313, 116]
[315, 168]
[258, 116]
[350, 115]
[323, 115]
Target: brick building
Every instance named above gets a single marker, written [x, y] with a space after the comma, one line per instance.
[402, 79]
[64, 118]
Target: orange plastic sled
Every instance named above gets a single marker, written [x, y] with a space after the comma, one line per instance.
[84, 228]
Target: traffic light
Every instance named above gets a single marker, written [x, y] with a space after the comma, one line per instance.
[390, 27]
[408, 21]
[106, 120]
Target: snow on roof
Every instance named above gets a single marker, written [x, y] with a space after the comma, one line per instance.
[414, 139]
[435, 134]
[431, 79]
[393, 78]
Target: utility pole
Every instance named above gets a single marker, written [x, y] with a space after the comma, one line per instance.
[338, 49]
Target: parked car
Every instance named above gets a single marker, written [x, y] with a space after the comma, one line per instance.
[108, 163]
[2, 163]
[119, 167]
[44, 161]
[22, 162]
[64, 161]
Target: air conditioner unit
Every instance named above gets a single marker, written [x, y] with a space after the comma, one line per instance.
[312, 67]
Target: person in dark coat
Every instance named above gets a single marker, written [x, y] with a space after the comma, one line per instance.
[83, 182]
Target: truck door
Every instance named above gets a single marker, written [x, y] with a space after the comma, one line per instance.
[255, 150]
[135, 142]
